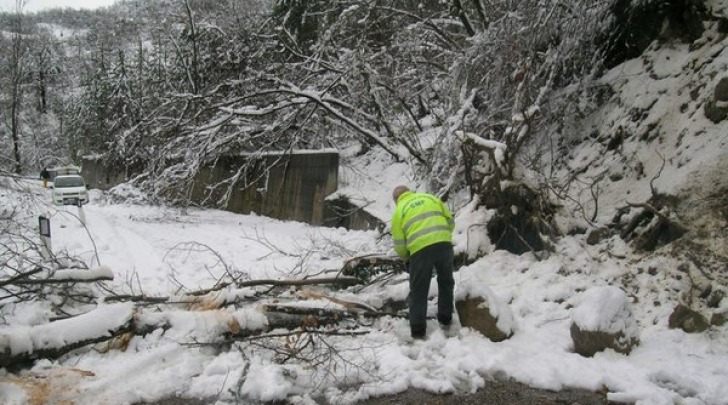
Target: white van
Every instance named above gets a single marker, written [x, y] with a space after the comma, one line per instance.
[62, 171]
[69, 190]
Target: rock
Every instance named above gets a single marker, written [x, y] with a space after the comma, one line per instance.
[617, 140]
[721, 90]
[688, 320]
[715, 112]
[475, 313]
[576, 230]
[587, 343]
[718, 319]
[723, 25]
[596, 236]
[716, 109]
[603, 319]
[715, 298]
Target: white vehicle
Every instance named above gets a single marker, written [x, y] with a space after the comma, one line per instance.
[69, 190]
[62, 171]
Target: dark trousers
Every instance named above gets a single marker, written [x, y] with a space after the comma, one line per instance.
[439, 256]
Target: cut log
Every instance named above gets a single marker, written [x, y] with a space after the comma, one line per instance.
[22, 345]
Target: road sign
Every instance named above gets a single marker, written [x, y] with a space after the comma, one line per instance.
[44, 225]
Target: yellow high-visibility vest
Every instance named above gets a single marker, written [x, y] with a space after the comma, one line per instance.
[420, 220]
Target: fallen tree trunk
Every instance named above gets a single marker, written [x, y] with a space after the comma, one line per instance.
[19, 347]
[22, 345]
[342, 281]
[118, 319]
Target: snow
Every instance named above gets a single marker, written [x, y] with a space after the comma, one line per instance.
[144, 246]
[60, 32]
[38, 5]
[605, 309]
[164, 252]
[23, 339]
[90, 274]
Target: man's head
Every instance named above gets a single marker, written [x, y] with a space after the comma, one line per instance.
[398, 191]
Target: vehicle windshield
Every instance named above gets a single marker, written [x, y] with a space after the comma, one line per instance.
[71, 181]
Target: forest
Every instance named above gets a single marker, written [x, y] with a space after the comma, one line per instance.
[146, 82]
[164, 88]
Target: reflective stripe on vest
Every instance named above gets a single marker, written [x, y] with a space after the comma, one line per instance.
[426, 231]
[420, 217]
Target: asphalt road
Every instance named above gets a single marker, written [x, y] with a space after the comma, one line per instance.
[494, 393]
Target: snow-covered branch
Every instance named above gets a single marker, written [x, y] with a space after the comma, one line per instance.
[498, 148]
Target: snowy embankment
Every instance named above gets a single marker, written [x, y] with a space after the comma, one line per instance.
[148, 250]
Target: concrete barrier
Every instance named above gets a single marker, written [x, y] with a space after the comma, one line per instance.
[284, 186]
[294, 187]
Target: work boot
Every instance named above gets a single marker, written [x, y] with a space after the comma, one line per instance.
[447, 327]
[418, 334]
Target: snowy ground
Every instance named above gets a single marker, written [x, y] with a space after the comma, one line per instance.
[149, 251]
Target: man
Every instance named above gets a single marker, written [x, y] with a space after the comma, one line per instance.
[422, 231]
[45, 176]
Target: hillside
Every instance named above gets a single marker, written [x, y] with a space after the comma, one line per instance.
[650, 142]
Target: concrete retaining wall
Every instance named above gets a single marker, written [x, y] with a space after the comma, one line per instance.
[98, 175]
[295, 188]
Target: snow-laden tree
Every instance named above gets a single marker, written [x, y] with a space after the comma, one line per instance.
[205, 80]
[31, 76]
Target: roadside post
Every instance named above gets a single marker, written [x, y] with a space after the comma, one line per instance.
[81, 213]
[44, 227]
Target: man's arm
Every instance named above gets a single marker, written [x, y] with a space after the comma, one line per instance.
[448, 216]
[400, 243]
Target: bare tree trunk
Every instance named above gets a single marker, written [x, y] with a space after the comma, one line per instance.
[195, 74]
[14, 130]
[41, 79]
[481, 13]
[458, 6]
[16, 72]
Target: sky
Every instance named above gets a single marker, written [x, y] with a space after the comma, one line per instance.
[160, 251]
[37, 5]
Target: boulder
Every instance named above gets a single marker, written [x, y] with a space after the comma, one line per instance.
[587, 342]
[475, 313]
[716, 109]
[596, 236]
[688, 320]
[721, 90]
[718, 319]
[603, 319]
